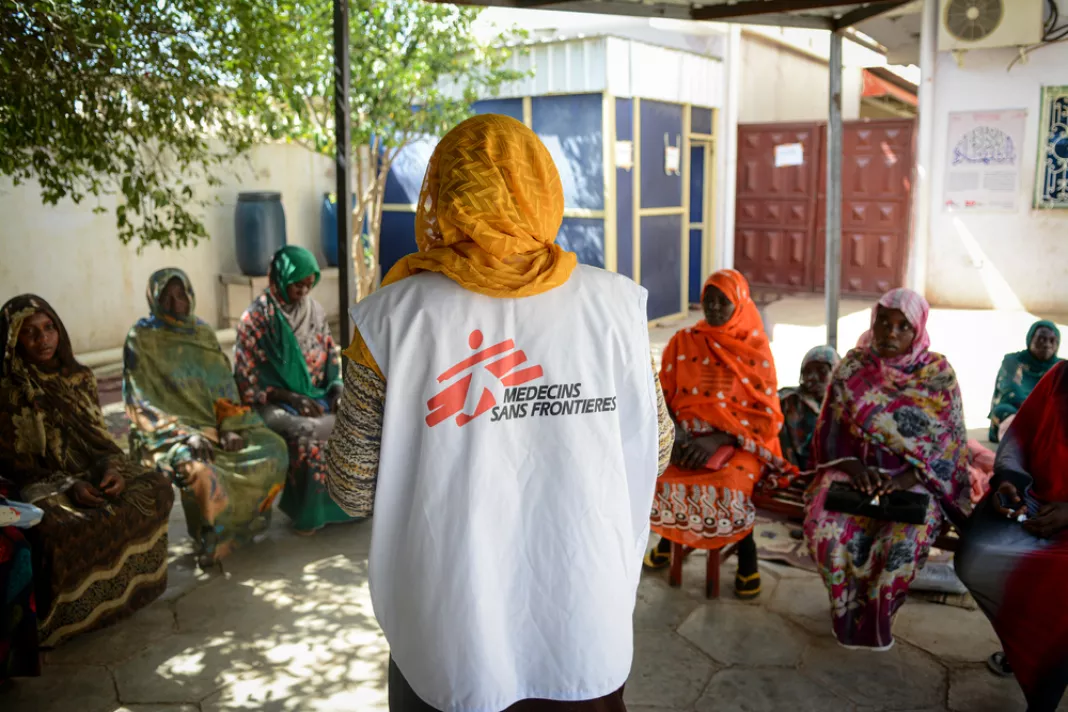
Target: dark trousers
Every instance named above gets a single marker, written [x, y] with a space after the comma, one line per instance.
[402, 698]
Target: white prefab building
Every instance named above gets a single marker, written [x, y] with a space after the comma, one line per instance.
[633, 128]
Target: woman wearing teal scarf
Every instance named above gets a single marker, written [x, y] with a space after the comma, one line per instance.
[1020, 373]
[287, 366]
[186, 420]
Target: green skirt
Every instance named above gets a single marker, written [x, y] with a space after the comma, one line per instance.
[305, 498]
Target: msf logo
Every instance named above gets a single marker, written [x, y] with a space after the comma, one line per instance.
[502, 361]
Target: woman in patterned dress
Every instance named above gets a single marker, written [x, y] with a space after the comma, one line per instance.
[1019, 374]
[101, 547]
[719, 383]
[892, 421]
[187, 422]
[289, 369]
[801, 406]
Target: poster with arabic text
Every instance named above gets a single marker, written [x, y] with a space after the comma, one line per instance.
[983, 169]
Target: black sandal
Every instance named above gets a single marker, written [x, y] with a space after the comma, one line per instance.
[998, 665]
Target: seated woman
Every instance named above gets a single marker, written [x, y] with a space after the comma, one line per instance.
[186, 420]
[719, 385]
[1020, 373]
[1018, 571]
[892, 421]
[19, 655]
[801, 406]
[288, 368]
[101, 548]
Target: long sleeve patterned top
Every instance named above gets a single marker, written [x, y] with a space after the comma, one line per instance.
[320, 353]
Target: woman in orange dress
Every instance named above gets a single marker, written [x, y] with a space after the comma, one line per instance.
[720, 386]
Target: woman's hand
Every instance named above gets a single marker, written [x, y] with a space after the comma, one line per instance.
[695, 452]
[1008, 502]
[1050, 520]
[905, 482]
[112, 484]
[678, 450]
[232, 442]
[304, 405]
[869, 480]
[200, 447]
[85, 495]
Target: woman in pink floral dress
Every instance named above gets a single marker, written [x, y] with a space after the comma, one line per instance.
[892, 421]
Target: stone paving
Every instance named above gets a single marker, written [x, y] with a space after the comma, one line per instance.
[287, 625]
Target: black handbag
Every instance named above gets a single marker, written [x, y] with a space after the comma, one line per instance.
[896, 506]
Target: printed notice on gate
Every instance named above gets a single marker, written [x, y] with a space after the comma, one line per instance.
[789, 154]
[983, 160]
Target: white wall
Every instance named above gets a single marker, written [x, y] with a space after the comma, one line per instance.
[1002, 260]
[74, 259]
[780, 83]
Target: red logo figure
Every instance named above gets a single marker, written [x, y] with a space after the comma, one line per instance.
[450, 401]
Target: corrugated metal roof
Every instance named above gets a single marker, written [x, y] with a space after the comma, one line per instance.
[622, 66]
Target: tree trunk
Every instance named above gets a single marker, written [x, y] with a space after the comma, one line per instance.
[371, 277]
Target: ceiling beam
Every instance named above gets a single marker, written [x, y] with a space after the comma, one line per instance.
[752, 8]
[808, 22]
[861, 14]
[627, 9]
[533, 4]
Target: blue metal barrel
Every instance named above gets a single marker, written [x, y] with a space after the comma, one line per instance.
[259, 229]
[328, 227]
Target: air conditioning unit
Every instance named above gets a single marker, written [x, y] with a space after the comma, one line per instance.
[986, 24]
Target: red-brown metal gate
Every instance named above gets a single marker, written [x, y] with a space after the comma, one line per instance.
[781, 215]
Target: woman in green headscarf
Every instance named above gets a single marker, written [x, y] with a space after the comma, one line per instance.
[187, 420]
[289, 369]
[1020, 373]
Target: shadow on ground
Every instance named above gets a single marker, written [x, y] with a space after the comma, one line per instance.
[284, 625]
[287, 626]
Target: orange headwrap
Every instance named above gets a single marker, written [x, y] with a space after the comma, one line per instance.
[489, 211]
[723, 377]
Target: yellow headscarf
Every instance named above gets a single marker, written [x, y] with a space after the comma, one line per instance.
[489, 211]
[488, 215]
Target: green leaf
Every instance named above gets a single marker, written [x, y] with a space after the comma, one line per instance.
[149, 99]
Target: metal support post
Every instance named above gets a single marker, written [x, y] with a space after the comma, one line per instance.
[343, 140]
[833, 262]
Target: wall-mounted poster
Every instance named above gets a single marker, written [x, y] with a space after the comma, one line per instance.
[983, 161]
[1051, 188]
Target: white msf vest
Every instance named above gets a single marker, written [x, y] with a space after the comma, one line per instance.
[517, 471]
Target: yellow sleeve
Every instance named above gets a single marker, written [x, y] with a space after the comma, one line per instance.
[358, 353]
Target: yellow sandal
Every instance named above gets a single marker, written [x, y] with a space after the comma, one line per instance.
[747, 587]
[655, 559]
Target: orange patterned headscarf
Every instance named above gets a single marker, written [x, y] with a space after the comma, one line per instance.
[723, 377]
[489, 211]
